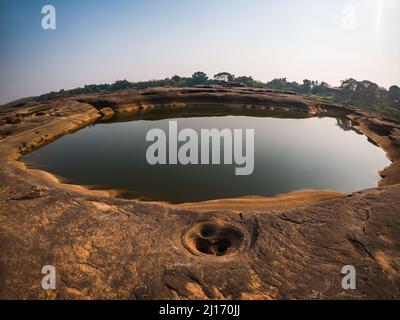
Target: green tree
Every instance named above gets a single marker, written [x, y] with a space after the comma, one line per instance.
[284, 85]
[349, 85]
[367, 91]
[121, 84]
[394, 96]
[224, 76]
[247, 81]
[321, 88]
[199, 77]
[307, 86]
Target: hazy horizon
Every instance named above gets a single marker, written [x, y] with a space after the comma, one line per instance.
[103, 41]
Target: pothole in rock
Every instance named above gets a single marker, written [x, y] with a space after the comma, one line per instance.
[213, 239]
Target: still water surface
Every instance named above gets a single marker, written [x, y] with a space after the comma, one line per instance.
[290, 154]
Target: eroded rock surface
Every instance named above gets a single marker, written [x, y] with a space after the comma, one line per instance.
[108, 248]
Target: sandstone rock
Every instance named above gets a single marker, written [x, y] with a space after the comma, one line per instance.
[108, 248]
[107, 113]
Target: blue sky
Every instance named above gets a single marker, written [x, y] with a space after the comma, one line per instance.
[99, 41]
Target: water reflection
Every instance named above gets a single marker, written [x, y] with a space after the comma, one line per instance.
[290, 154]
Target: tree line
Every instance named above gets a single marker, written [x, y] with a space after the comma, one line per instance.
[350, 91]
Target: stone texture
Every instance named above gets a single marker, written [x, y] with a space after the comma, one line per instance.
[108, 248]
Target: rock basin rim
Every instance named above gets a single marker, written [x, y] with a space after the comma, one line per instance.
[111, 107]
